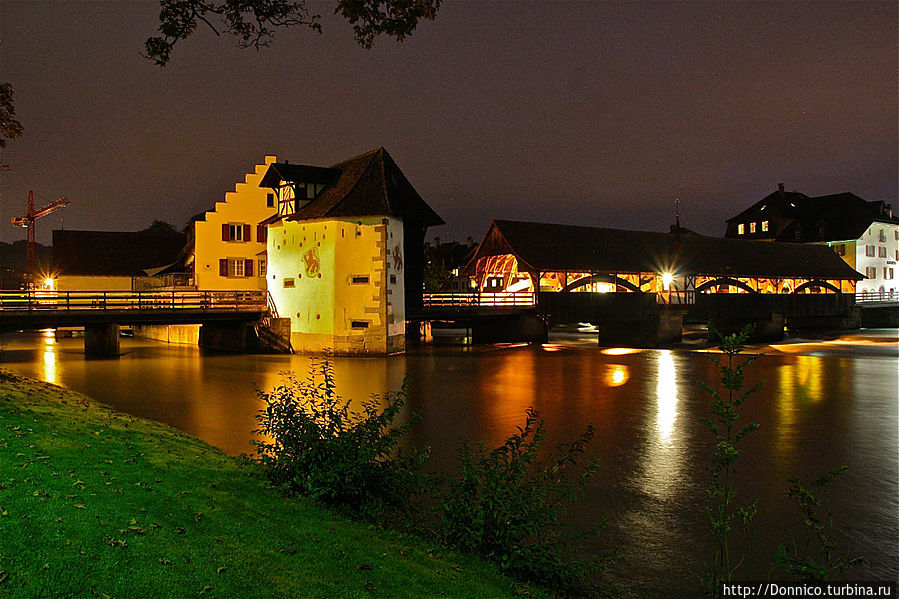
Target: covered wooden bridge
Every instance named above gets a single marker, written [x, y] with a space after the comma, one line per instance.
[582, 274]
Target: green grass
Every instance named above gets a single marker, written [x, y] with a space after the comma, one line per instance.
[96, 503]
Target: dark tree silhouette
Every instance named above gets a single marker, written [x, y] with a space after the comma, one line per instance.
[254, 22]
[10, 128]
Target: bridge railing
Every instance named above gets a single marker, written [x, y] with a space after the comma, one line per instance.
[863, 297]
[478, 300]
[27, 301]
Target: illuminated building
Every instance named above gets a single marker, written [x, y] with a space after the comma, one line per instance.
[865, 234]
[228, 242]
[345, 253]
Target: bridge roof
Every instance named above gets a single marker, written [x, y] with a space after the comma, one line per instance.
[552, 247]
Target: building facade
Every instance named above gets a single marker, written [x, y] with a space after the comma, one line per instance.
[345, 253]
[229, 242]
[865, 234]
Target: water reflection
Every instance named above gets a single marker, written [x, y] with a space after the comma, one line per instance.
[616, 375]
[664, 454]
[49, 358]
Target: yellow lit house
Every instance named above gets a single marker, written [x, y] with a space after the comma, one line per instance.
[229, 241]
[345, 253]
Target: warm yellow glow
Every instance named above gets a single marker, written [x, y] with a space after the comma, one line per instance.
[620, 351]
[48, 359]
[617, 375]
[551, 347]
[667, 278]
[666, 396]
[49, 284]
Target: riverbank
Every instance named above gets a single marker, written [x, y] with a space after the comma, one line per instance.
[94, 502]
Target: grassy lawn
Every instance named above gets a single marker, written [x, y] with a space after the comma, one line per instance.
[97, 503]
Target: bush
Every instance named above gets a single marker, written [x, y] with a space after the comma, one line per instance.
[315, 446]
[506, 504]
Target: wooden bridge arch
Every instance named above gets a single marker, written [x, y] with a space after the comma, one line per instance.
[725, 281]
[601, 279]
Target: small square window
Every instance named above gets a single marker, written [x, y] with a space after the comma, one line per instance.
[289, 283]
[393, 279]
[360, 280]
[358, 324]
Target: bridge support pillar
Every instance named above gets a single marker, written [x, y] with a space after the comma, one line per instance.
[229, 336]
[770, 328]
[509, 329]
[663, 328]
[101, 340]
[850, 321]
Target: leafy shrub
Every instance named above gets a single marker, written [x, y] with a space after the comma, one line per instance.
[314, 445]
[723, 509]
[815, 560]
[506, 504]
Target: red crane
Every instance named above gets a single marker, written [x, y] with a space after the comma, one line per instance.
[27, 221]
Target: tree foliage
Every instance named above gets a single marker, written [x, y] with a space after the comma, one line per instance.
[254, 22]
[10, 128]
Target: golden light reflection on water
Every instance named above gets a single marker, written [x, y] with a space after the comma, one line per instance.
[621, 351]
[49, 367]
[664, 455]
[617, 375]
[666, 397]
[799, 382]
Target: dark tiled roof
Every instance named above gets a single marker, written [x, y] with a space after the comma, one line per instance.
[299, 173]
[369, 185]
[835, 217]
[550, 247]
[111, 253]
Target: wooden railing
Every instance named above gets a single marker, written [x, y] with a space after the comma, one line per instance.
[28, 301]
[478, 300]
[876, 296]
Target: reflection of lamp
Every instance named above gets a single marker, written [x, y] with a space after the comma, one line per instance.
[666, 396]
[667, 278]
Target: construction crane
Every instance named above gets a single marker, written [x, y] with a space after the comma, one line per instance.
[27, 221]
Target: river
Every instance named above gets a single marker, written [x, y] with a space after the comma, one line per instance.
[823, 403]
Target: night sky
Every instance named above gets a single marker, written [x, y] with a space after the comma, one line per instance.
[594, 113]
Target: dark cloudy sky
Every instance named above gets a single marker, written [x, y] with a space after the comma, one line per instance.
[596, 113]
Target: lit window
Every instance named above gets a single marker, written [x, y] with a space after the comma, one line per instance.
[752, 227]
[741, 228]
[764, 225]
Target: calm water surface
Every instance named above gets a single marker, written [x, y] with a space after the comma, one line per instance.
[823, 403]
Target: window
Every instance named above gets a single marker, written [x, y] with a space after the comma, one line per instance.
[764, 225]
[887, 273]
[358, 324]
[741, 228]
[896, 233]
[883, 236]
[752, 227]
[262, 266]
[881, 251]
[393, 279]
[235, 267]
[288, 282]
[261, 233]
[870, 272]
[360, 280]
[270, 200]
[869, 251]
[235, 232]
